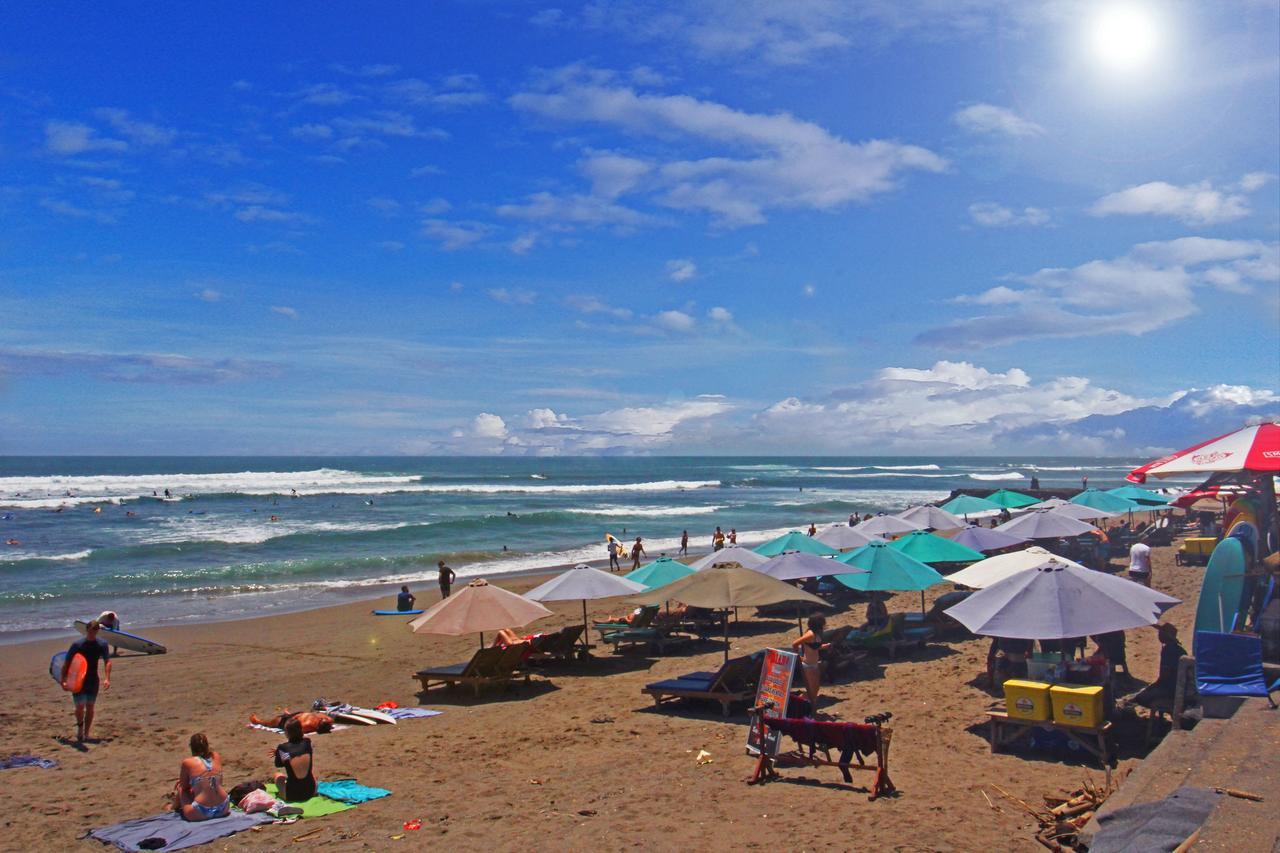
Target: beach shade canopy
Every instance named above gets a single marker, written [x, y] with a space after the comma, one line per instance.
[1254, 448]
[986, 539]
[1055, 600]
[1140, 495]
[931, 518]
[841, 536]
[884, 568]
[796, 565]
[995, 569]
[1045, 524]
[1105, 501]
[732, 554]
[795, 541]
[1211, 497]
[660, 572]
[932, 548]
[1082, 512]
[971, 505]
[583, 583]
[887, 525]
[1011, 500]
[478, 607]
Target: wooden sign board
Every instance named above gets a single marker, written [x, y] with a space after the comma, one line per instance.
[775, 689]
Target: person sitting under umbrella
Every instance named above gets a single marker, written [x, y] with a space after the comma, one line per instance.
[1007, 658]
[1160, 692]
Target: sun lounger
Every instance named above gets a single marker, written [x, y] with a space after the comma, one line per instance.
[838, 657]
[643, 619]
[897, 633]
[655, 639]
[559, 647]
[491, 666]
[1231, 665]
[733, 682]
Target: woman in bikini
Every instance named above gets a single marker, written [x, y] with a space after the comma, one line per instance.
[809, 646]
[199, 794]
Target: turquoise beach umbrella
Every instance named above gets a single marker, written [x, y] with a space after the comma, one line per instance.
[931, 548]
[1095, 499]
[795, 541]
[1139, 496]
[660, 572]
[1011, 499]
[969, 505]
[889, 570]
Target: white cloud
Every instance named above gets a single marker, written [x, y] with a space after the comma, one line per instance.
[992, 215]
[425, 171]
[524, 243]
[674, 321]
[66, 208]
[990, 119]
[1194, 204]
[1149, 288]
[486, 425]
[325, 95]
[809, 290]
[261, 213]
[67, 137]
[384, 123]
[455, 235]
[285, 311]
[681, 269]
[1255, 181]
[456, 287]
[790, 163]
[545, 419]
[512, 296]
[391, 245]
[312, 131]
[452, 92]
[383, 205]
[435, 207]
[720, 315]
[372, 70]
[139, 132]
[575, 210]
[208, 294]
[593, 305]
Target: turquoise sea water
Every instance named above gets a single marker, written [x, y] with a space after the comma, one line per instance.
[91, 536]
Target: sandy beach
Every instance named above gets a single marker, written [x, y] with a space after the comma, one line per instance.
[578, 760]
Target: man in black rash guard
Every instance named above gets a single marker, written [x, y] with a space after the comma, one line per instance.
[92, 650]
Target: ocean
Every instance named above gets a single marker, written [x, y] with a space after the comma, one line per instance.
[233, 540]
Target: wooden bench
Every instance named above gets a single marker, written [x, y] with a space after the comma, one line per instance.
[1006, 730]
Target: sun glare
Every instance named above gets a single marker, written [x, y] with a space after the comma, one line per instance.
[1124, 37]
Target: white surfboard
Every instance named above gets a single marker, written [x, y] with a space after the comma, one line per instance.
[121, 640]
[377, 716]
[353, 719]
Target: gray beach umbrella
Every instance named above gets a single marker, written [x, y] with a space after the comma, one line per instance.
[887, 525]
[732, 554]
[798, 565]
[842, 536]
[932, 517]
[1056, 599]
[583, 582]
[1045, 524]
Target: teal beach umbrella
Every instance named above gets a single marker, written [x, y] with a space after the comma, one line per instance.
[1011, 499]
[1095, 499]
[970, 505]
[887, 569]
[795, 541]
[660, 572]
[931, 548]
[1141, 496]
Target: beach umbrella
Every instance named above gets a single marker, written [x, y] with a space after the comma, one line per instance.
[795, 541]
[841, 536]
[1211, 497]
[1139, 495]
[992, 570]
[583, 582]
[886, 525]
[1045, 524]
[728, 585]
[932, 548]
[986, 539]
[1255, 449]
[1055, 600]
[1080, 512]
[971, 505]
[1096, 499]
[732, 554]
[660, 572]
[476, 608]
[887, 569]
[1010, 499]
[797, 565]
[931, 517]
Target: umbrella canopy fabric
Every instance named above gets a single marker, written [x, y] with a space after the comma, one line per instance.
[1138, 495]
[583, 583]
[797, 565]
[995, 569]
[1055, 600]
[476, 608]
[1104, 501]
[728, 585]
[732, 554]
[886, 525]
[660, 572]
[1254, 448]
[1045, 524]
[931, 517]
[886, 569]
[841, 536]
[795, 541]
[971, 505]
[1010, 499]
[931, 548]
[1207, 497]
[1081, 512]
[986, 539]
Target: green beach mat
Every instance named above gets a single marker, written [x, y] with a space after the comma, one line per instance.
[317, 806]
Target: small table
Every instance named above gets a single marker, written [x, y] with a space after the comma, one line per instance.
[1092, 740]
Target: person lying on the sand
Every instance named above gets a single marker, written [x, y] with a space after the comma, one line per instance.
[199, 794]
[311, 721]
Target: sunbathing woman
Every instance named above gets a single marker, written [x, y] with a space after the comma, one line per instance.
[298, 781]
[808, 647]
[311, 721]
[877, 614]
[199, 794]
[507, 637]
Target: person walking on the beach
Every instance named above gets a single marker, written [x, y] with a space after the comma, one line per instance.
[717, 539]
[733, 536]
[1084, 483]
[446, 579]
[92, 650]
[404, 601]
[813, 529]
[614, 548]
[637, 551]
[1140, 563]
[684, 542]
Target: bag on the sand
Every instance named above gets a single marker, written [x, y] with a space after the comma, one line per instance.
[239, 791]
[257, 800]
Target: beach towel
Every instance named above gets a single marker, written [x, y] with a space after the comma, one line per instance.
[337, 727]
[411, 713]
[350, 791]
[15, 761]
[317, 806]
[177, 833]
[1161, 825]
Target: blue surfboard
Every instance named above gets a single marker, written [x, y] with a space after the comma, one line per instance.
[396, 612]
[1222, 587]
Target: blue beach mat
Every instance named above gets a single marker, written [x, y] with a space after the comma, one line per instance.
[350, 791]
[177, 833]
[411, 713]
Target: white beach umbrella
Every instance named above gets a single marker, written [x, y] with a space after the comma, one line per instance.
[887, 525]
[733, 554]
[477, 608]
[1076, 511]
[797, 565]
[992, 570]
[931, 517]
[842, 536]
[583, 582]
[1045, 524]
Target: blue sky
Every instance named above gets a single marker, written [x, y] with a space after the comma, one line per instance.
[515, 227]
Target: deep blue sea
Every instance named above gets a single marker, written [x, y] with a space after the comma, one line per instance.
[94, 533]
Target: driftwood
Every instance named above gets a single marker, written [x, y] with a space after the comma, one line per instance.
[1062, 816]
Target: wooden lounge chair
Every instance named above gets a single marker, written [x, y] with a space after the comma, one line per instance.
[491, 666]
[838, 657]
[897, 633]
[733, 682]
[559, 647]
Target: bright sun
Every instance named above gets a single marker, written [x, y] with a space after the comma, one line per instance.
[1124, 37]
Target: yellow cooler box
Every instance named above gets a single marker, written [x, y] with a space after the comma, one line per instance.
[1026, 700]
[1077, 706]
[1195, 550]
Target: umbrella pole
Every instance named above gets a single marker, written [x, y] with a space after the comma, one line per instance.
[922, 611]
[586, 641]
[482, 639]
[725, 619]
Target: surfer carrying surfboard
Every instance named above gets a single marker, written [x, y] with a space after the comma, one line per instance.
[92, 650]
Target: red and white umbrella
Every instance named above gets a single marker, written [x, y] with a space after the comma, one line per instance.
[1255, 448]
[1210, 497]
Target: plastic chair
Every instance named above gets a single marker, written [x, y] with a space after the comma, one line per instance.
[1231, 665]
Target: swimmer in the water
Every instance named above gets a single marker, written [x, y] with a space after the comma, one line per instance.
[12, 542]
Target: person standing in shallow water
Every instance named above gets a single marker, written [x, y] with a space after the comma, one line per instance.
[446, 577]
[637, 551]
[684, 543]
